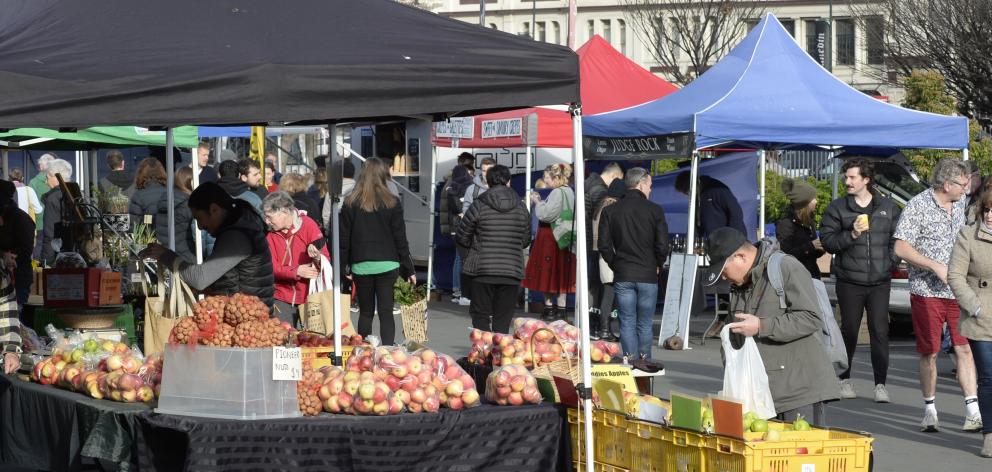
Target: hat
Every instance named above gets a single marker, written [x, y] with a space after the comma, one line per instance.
[617, 189]
[798, 192]
[720, 245]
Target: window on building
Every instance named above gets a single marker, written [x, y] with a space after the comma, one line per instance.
[526, 31]
[542, 33]
[845, 41]
[556, 32]
[676, 37]
[875, 40]
[622, 32]
[591, 25]
[606, 31]
[751, 23]
[790, 26]
[811, 40]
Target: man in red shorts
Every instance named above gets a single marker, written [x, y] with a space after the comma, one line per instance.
[924, 238]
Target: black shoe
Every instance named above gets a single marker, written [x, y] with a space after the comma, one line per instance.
[549, 313]
[606, 335]
[561, 312]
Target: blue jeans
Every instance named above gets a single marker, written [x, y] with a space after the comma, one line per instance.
[637, 302]
[982, 353]
[456, 274]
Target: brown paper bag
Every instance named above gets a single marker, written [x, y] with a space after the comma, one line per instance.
[164, 308]
[317, 314]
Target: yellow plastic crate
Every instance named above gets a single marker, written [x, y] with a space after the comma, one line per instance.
[646, 447]
[611, 439]
[598, 467]
[318, 355]
[823, 450]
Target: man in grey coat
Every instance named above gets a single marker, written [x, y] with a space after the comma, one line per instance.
[800, 376]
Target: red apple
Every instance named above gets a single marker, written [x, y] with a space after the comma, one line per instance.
[455, 403]
[418, 396]
[515, 398]
[470, 398]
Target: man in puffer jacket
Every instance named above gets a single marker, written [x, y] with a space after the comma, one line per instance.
[495, 230]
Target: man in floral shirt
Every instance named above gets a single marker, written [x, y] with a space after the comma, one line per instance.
[924, 238]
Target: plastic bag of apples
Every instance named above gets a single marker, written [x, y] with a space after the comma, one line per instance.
[512, 385]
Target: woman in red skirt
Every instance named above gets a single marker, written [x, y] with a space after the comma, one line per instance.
[551, 269]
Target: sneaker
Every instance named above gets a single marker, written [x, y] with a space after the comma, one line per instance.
[455, 297]
[396, 310]
[354, 309]
[929, 423]
[464, 301]
[973, 423]
[847, 389]
[881, 394]
[987, 446]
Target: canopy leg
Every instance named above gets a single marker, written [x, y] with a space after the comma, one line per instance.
[690, 233]
[170, 187]
[761, 196]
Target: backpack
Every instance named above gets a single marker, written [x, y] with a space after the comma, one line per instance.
[829, 336]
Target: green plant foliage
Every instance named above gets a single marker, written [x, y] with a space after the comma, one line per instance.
[405, 293]
[777, 205]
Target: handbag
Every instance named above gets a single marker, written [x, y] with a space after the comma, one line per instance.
[564, 226]
[744, 376]
[317, 313]
[164, 309]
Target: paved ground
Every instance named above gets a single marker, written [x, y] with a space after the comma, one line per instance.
[899, 446]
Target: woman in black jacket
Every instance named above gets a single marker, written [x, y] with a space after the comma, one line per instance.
[185, 242]
[795, 232]
[149, 185]
[495, 229]
[374, 247]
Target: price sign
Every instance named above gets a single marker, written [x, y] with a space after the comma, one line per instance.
[287, 363]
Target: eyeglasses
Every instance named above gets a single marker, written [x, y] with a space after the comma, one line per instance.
[986, 211]
[963, 185]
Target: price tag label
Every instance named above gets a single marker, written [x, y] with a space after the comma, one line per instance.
[287, 363]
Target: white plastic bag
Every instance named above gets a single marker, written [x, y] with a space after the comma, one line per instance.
[744, 376]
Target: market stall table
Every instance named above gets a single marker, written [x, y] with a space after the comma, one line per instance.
[46, 428]
[522, 438]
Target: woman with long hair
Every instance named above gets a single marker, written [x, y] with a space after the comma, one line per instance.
[149, 190]
[185, 236]
[551, 267]
[614, 193]
[796, 231]
[374, 248]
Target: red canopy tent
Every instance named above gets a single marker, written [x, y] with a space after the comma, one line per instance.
[608, 81]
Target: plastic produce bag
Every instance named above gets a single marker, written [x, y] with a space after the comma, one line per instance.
[524, 327]
[456, 389]
[482, 346]
[744, 376]
[512, 385]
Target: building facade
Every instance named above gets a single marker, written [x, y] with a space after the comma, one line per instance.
[857, 57]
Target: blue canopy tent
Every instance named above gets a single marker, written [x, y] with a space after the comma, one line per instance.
[766, 94]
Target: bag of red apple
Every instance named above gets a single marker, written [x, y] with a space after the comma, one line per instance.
[568, 336]
[524, 327]
[603, 352]
[512, 385]
[456, 389]
[482, 346]
[544, 347]
[508, 350]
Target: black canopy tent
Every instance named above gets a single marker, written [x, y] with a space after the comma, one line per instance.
[69, 64]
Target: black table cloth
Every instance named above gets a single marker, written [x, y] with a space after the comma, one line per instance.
[485, 438]
[46, 428]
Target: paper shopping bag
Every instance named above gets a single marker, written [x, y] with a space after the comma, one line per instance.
[317, 313]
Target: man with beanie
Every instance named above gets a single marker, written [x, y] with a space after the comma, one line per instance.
[796, 231]
[858, 230]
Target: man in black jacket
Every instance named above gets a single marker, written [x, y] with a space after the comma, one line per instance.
[596, 186]
[718, 207]
[118, 177]
[633, 240]
[495, 229]
[857, 229]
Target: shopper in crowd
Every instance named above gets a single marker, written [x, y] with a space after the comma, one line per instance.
[149, 191]
[454, 194]
[801, 378]
[52, 201]
[858, 230]
[272, 159]
[207, 172]
[251, 175]
[39, 183]
[347, 185]
[551, 268]
[596, 187]
[495, 229]
[269, 177]
[17, 238]
[717, 206]
[479, 183]
[318, 189]
[968, 274]
[633, 240]
[374, 248]
[296, 186]
[616, 192]
[231, 182]
[796, 231]
[183, 217]
[118, 178]
[27, 198]
[925, 236]
[291, 234]
[240, 261]
[10, 324]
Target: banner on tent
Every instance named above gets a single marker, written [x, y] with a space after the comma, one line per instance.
[458, 127]
[502, 128]
[669, 146]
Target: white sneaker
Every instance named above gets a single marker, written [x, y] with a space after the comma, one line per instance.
[354, 309]
[972, 423]
[881, 394]
[847, 389]
[929, 423]
[464, 301]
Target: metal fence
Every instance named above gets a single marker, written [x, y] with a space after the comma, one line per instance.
[800, 164]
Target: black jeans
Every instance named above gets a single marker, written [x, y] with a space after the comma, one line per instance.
[606, 307]
[595, 284]
[376, 291]
[492, 306]
[853, 300]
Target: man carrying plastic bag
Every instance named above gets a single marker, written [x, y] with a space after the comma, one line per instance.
[798, 368]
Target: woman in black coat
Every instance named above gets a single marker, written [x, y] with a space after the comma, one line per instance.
[795, 232]
[185, 242]
[149, 185]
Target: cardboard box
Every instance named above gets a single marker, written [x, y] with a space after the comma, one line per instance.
[89, 287]
[110, 288]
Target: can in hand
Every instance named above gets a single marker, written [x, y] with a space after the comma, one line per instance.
[864, 220]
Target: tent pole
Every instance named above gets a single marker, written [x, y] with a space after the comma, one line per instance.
[761, 195]
[964, 153]
[431, 221]
[94, 180]
[528, 184]
[833, 189]
[170, 186]
[6, 165]
[690, 233]
[335, 245]
[582, 296]
[197, 236]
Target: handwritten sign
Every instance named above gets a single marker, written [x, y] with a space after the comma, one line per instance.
[459, 127]
[287, 363]
[618, 373]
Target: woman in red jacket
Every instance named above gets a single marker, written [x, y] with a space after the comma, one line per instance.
[293, 237]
